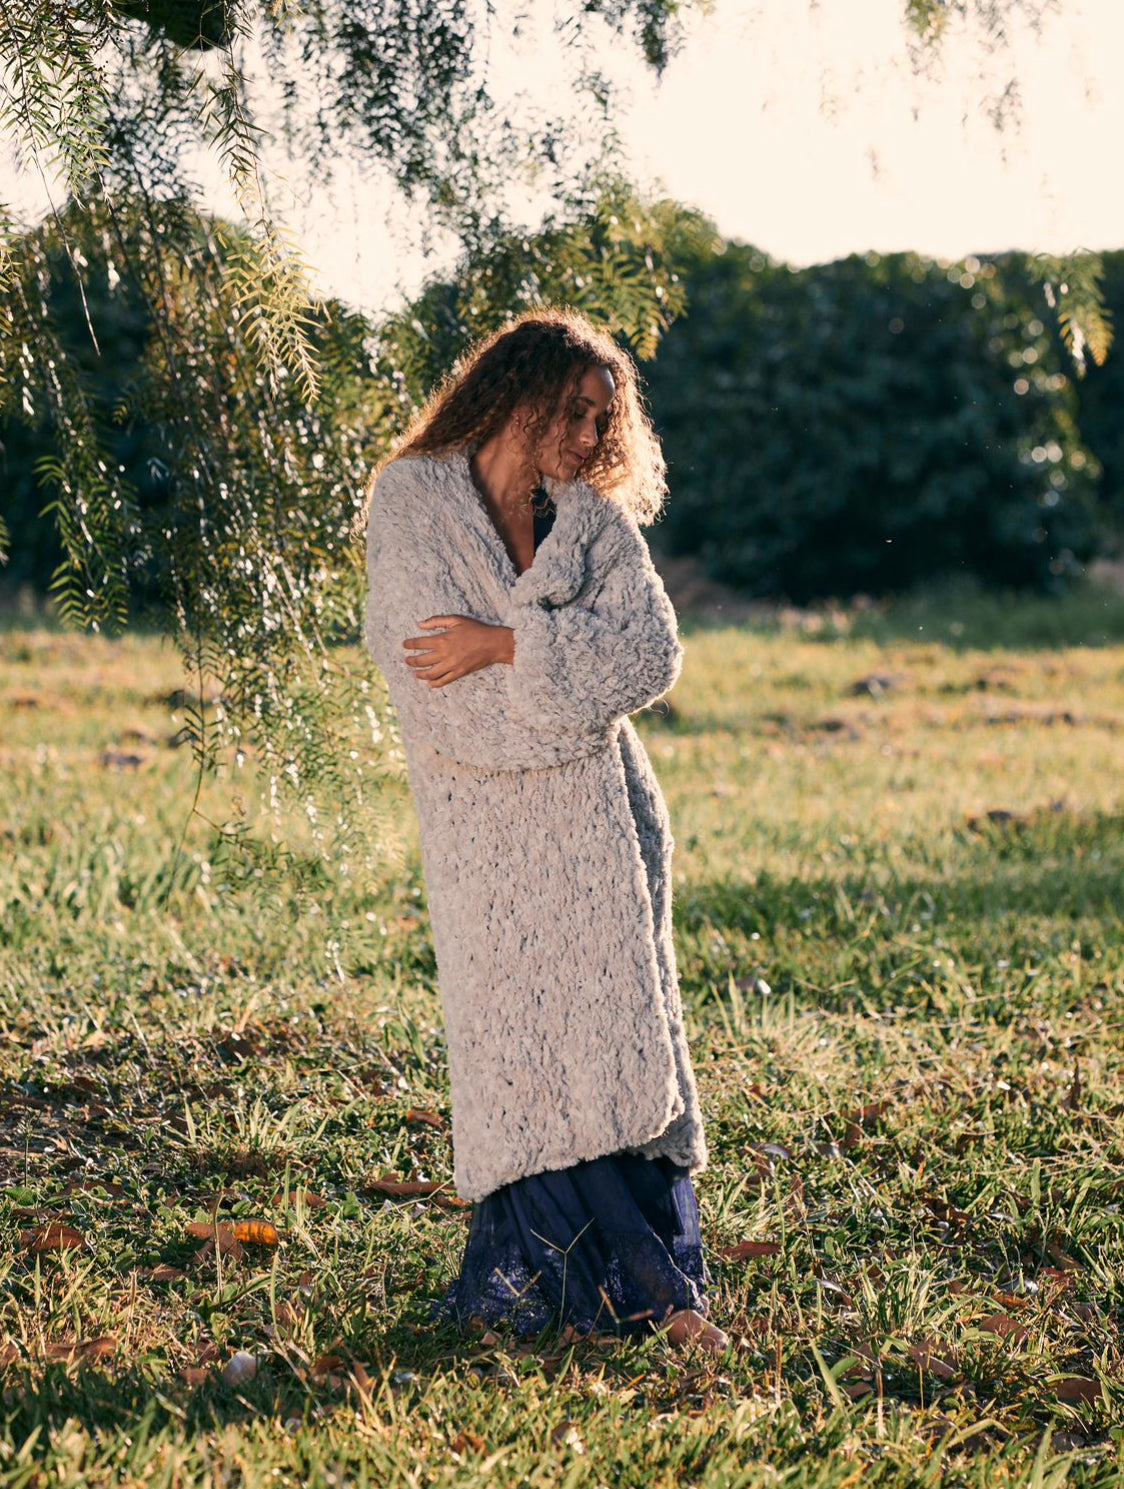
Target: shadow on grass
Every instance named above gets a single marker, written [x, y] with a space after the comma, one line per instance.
[960, 614]
[836, 904]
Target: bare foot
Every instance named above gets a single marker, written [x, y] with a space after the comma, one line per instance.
[686, 1326]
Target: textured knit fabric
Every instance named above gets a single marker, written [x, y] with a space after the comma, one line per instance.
[545, 838]
[608, 1245]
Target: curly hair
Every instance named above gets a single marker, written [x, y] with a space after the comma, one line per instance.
[529, 367]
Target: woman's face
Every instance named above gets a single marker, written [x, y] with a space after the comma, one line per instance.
[577, 427]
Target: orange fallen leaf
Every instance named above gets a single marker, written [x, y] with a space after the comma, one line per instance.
[328, 1364]
[434, 1119]
[195, 1375]
[255, 1232]
[466, 1439]
[164, 1273]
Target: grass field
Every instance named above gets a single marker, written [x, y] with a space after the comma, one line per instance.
[899, 896]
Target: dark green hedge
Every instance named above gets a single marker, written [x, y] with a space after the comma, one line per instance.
[858, 426]
[863, 425]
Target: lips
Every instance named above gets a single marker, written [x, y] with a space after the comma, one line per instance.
[574, 455]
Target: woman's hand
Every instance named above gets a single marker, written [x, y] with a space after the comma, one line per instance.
[465, 645]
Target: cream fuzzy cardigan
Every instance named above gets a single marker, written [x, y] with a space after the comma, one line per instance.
[545, 838]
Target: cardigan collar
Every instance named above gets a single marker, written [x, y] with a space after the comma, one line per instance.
[559, 567]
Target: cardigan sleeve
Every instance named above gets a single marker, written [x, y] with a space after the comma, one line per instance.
[580, 666]
[472, 720]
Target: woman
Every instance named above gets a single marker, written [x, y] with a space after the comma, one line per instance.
[516, 614]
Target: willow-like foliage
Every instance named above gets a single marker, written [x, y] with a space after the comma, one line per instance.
[1073, 283]
[262, 408]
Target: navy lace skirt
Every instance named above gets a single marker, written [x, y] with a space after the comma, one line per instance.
[608, 1245]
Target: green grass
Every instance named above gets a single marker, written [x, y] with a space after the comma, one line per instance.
[907, 1018]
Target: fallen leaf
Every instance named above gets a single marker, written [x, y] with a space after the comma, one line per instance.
[1006, 1327]
[774, 1150]
[255, 1232]
[868, 1112]
[311, 1200]
[744, 1249]
[65, 1349]
[926, 1358]
[52, 1237]
[466, 1439]
[110, 1186]
[1063, 1259]
[218, 1237]
[407, 1186]
[1078, 1388]
[1058, 1280]
[434, 1119]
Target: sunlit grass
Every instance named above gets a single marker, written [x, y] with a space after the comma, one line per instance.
[898, 914]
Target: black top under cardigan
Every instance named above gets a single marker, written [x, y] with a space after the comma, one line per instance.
[544, 512]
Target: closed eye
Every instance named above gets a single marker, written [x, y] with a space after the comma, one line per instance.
[601, 424]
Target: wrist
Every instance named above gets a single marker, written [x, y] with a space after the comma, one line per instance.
[504, 645]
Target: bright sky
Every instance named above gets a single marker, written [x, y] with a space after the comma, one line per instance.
[799, 126]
